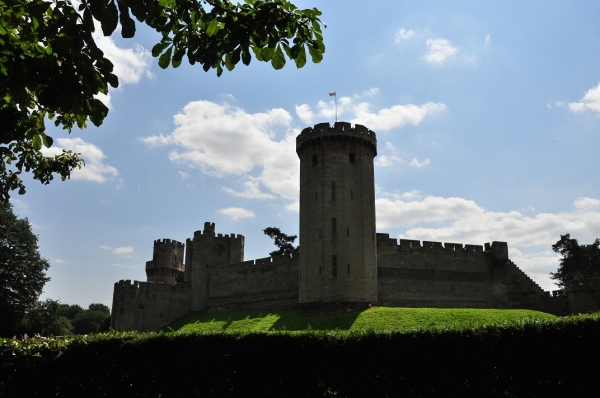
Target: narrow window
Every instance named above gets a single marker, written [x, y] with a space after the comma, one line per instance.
[316, 195]
[315, 160]
[347, 231]
[351, 194]
[319, 269]
[334, 265]
[334, 228]
[319, 232]
[352, 158]
[370, 199]
[333, 191]
[348, 268]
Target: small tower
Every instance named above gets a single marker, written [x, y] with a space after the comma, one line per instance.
[207, 250]
[166, 265]
[338, 251]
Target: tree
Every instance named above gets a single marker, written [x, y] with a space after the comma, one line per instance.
[45, 317]
[51, 67]
[22, 269]
[577, 262]
[89, 321]
[282, 241]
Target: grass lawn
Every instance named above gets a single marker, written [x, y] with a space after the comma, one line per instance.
[379, 318]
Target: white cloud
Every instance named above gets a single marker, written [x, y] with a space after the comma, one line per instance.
[130, 64]
[404, 35]
[305, 113]
[222, 140]
[294, 206]
[440, 50]
[118, 250]
[94, 168]
[395, 116]
[125, 265]
[237, 213]
[251, 191]
[591, 101]
[464, 221]
[183, 175]
[587, 203]
[415, 163]
[390, 159]
[487, 39]
[58, 261]
[123, 250]
[382, 120]
[105, 98]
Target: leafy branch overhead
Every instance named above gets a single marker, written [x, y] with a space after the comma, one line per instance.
[51, 67]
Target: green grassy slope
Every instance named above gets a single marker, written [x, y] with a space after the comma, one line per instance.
[380, 318]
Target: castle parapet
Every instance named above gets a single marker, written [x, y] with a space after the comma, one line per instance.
[499, 250]
[339, 129]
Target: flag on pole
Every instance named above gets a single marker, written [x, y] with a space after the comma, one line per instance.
[334, 94]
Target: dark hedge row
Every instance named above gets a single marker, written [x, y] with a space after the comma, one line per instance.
[532, 359]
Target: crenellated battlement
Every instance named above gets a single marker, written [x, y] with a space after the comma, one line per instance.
[258, 264]
[167, 242]
[385, 243]
[339, 129]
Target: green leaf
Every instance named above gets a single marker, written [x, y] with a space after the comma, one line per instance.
[246, 57]
[159, 47]
[127, 24]
[315, 54]
[212, 28]
[37, 142]
[278, 60]
[301, 57]
[110, 19]
[165, 59]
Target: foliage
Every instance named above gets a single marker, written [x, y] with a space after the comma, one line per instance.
[577, 262]
[50, 317]
[22, 269]
[511, 360]
[90, 320]
[282, 241]
[45, 318]
[379, 318]
[51, 67]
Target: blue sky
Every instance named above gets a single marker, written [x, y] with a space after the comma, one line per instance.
[487, 117]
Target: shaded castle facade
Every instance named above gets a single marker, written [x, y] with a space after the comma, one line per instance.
[343, 263]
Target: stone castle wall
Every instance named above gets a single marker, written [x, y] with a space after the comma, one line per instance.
[148, 305]
[452, 275]
[266, 283]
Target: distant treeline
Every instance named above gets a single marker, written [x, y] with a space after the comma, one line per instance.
[534, 358]
[53, 318]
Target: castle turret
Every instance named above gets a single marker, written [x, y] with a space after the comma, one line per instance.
[338, 251]
[207, 250]
[166, 265]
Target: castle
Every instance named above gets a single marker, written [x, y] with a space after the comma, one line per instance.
[342, 265]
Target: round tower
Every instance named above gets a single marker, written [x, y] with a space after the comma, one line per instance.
[167, 262]
[338, 251]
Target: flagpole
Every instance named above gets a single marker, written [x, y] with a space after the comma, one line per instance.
[334, 94]
[336, 106]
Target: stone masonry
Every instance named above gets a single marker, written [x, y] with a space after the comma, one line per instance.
[343, 263]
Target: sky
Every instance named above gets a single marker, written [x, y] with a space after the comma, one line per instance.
[487, 117]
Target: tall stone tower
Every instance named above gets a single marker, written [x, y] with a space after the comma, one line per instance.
[166, 265]
[338, 251]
